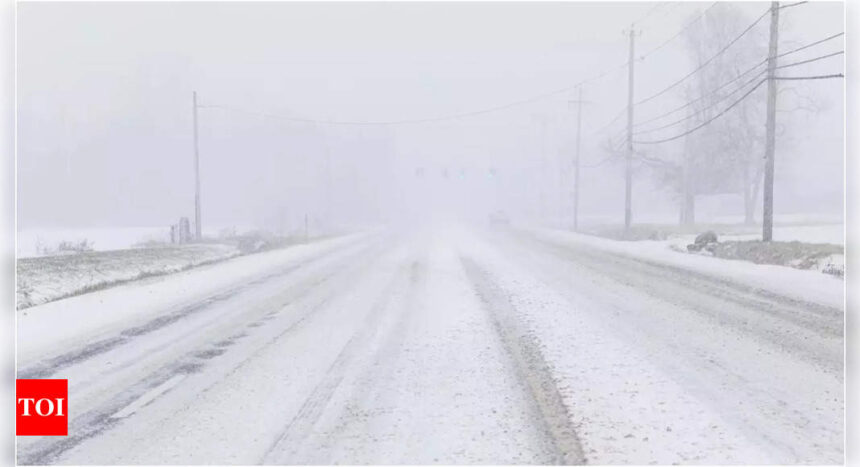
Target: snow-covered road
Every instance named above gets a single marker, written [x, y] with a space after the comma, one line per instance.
[447, 346]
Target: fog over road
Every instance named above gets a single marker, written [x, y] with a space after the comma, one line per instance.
[451, 346]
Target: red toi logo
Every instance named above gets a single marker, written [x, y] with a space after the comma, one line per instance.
[42, 407]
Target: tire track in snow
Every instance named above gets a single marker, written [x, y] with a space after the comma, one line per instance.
[101, 419]
[810, 331]
[314, 406]
[784, 399]
[51, 366]
[530, 363]
[816, 317]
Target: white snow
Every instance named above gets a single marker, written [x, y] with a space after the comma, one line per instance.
[102, 239]
[377, 349]
[55, 326]
[811, 286]
[648, 382]
[47, 278]
[389, 360]
[149, 396]
[819, 233]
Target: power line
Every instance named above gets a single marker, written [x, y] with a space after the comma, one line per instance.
[563, 89]
[701, 111]
[655, 160]
[601, 75]
[599, 163]
[703, 96]
[610, 122]
[672, 6]
[810, 60]
[813, 44]
[736, 78]
[472, 113]
[781, 78]
[678, 34]
[721, 51]
[706, 62]
[714, 104]
[425, 119]
[668, 7]
[707, 121]
[792, 4]
[649, 12]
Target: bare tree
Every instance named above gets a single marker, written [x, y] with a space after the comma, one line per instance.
[724, 157]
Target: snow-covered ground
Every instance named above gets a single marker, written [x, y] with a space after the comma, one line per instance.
[832, 234]
[448, 346]
[804, 285]
[52, 327]
[115, 256]
[822, 230]
[640, 352]
[48, 278]
[671, 219]
[818, 233]
[32, 241]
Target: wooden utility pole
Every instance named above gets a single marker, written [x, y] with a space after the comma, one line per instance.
[770, 142]
[628, 175]
[198, 226]
[543, 170]
[688, 197]
[576, 159]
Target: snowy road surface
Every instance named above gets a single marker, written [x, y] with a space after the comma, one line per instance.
[450, 346]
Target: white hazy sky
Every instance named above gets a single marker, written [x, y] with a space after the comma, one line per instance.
[104, 105]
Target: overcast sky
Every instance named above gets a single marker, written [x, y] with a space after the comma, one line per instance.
[105, 121]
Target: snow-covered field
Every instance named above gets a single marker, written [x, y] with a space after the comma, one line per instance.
[115, 255]
[46, 278]
[32, 241]
[448, 346]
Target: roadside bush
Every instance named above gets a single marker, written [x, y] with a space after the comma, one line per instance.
[260, 240]
[795, 254]
[65, 247]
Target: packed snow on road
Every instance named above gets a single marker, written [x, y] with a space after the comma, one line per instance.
[448, 346]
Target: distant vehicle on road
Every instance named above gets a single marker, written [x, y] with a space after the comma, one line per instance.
[499, 218]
